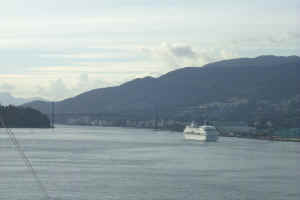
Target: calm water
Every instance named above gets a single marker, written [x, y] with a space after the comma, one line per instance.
[94, 163]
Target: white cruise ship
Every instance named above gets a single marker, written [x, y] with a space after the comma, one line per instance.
[202, 133]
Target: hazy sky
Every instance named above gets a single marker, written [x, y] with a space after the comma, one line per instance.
[59, 48]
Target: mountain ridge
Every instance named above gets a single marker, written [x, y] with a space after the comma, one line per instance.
[269, 78]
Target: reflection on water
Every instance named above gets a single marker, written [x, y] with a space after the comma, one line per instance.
[135, 164]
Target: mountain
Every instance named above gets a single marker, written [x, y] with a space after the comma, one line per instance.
[229, 89]
[7, 99]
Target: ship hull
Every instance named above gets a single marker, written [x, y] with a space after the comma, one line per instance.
[208, 138]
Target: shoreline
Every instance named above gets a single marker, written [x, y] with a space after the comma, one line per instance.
[270, 138]
[278, 139]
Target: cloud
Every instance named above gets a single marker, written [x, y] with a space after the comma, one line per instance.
[59, 89]
[83, 78]
[182, 55]
[6, 87]
[182, 51]
[56, 90]
[67, 47]
[281, 39]
[84, 83]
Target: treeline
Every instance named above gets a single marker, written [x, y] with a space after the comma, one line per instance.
[20, 117]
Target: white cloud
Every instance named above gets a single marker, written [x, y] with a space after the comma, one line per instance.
[60, 89]
[182, 55]
[85, 83]
[284, 38]
[6, 87]
[56, 90]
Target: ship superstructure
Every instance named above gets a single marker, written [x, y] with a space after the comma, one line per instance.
[203, 133]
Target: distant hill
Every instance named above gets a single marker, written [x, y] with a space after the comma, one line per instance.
[7, 99]
[229, 89]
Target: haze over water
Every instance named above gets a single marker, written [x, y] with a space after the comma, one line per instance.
[80, 163]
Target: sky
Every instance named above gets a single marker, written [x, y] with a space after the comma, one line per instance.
[57, 49]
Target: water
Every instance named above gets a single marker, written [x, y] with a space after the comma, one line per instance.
[94, 163]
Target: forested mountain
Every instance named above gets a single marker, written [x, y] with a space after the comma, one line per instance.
[20, 117]
[231, 89]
